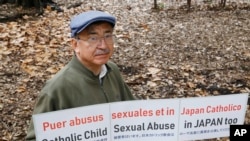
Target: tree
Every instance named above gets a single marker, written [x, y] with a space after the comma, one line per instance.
[223, 3]
[189, 4]
[155, 4]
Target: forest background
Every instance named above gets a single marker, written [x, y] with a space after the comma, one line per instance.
[171, 51]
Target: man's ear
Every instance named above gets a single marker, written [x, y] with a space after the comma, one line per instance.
[74, 45]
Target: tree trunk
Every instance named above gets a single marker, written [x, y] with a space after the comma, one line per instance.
[155, 4]
[223, 3]
[189, 4]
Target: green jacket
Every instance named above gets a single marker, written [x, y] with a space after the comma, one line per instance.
[76, 86]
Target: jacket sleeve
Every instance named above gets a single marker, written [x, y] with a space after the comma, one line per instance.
[127, 95]
[44, 104]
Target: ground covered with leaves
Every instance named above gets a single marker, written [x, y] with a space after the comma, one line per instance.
[164, 53]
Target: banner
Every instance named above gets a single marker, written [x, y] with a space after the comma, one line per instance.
[145, 120]
[77, 124]
[211, 117]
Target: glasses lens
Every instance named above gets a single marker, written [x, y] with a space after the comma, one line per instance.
[109, 39]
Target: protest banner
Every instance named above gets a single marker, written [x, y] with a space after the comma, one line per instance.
[144, 120]
[76, 124]
[210, 117]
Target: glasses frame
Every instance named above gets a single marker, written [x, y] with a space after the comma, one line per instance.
[94, 40]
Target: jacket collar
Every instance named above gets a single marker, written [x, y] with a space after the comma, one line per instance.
[75, 63]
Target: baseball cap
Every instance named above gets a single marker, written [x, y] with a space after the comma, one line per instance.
[81, 21]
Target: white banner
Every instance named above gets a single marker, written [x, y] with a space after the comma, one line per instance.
[78, 124]
[145, 120]
[210, 117]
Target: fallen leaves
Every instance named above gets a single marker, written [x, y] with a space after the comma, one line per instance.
[164, 54]
[4, 50]
[153, 70]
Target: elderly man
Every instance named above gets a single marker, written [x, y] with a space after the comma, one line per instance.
[89, 78]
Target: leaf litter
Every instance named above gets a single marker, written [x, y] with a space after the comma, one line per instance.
[165, 53]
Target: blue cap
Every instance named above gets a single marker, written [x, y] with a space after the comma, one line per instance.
[81, 21]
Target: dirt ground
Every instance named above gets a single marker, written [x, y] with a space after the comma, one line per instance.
[164, 53]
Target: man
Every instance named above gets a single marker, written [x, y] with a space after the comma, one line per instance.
[89, 78]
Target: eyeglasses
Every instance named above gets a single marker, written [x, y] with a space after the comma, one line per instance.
[95, 39]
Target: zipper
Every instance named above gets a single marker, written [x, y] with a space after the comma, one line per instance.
[105, 94]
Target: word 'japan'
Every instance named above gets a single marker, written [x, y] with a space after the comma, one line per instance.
[210, 109]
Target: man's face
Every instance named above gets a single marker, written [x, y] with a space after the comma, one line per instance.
[94, 45]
